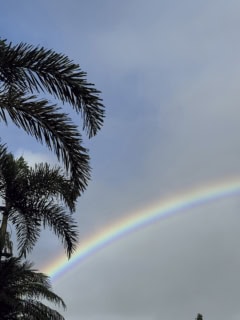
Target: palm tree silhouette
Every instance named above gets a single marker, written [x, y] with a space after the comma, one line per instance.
[22, 290]
[26, 74]
[35, 198]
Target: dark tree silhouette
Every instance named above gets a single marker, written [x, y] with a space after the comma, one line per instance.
[22, 290]
[34, 198]
[26, 74]
[41, 196]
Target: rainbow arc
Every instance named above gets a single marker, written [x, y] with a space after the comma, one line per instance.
[163, 209]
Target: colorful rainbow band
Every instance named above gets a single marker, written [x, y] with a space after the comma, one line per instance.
[133, 222]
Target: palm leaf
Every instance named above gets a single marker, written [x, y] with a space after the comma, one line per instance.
[29, 217]
[49, 182]
[28, 229]
[48, 125]
[35, 310]
[21, 291]
[35, 198]
[63, 225]
[38, 69]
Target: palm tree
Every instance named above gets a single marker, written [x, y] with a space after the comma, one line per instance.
[27, 71]
[34, 198]
[22, 290]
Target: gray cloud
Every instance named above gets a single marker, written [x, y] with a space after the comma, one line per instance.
[176, 267]
[169, 73]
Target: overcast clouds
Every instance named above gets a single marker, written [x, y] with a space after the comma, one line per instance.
[170, 76]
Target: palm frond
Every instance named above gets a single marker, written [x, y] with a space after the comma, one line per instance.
[62, 224]
[30, 216]
[48, 182]
[38, 69]
[35, 198]
[48, 125]
[36, 310]
[28, 228]
[21, 291]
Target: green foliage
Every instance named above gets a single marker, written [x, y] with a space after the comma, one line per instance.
[35, 198]
[22, 291]
[25, 72]
[41, 196]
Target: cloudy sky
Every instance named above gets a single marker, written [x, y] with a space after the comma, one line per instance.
[169, 73]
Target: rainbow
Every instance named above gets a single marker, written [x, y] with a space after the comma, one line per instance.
[161, 210]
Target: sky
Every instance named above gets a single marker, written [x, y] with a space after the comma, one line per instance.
[169, 73]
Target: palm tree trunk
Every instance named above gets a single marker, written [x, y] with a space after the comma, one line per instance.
[3, 231]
